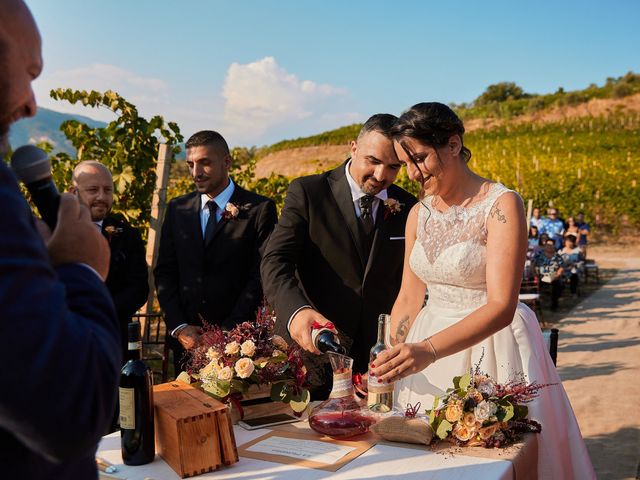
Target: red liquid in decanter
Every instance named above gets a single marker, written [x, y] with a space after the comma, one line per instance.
[341, 416]
[341, 424]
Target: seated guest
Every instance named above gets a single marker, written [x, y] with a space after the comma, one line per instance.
[536, 220]
[572, 258]
[572, 228]
[550, 268]
[554, 227]
[584, 232]
[534, 237]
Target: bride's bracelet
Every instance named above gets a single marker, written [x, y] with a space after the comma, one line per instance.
[433, 349]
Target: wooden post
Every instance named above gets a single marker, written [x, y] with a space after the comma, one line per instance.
[158, 205]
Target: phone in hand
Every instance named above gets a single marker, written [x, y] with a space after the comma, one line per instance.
[267, 421]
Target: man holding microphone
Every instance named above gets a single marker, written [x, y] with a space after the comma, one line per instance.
[58, 328]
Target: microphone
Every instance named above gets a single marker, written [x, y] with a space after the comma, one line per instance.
[31, 165]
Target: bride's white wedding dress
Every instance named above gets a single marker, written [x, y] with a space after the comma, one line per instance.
[449, 255]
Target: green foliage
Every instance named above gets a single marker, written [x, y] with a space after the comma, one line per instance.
[584, 164]
[128, 146]
[443, 429]
[500, 92]
[243, 173]
[506, 100]
[339, 136]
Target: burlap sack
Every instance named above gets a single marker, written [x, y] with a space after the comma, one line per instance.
[402, 429]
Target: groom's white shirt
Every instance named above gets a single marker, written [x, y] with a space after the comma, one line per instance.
[356, 195]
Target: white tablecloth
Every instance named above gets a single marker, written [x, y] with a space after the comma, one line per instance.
[380, 462]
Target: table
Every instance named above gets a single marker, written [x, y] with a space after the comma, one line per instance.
[382, 461]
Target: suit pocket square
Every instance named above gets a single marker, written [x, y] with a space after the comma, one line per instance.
[396, 238]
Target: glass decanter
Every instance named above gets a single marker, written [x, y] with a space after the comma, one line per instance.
[342, 415]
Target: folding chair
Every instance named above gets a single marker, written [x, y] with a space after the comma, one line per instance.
[591, 268]
[530, 295]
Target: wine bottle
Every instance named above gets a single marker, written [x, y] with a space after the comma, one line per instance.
[136, 404]
[380, 395]
[326, 340]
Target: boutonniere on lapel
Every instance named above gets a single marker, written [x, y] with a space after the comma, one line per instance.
[231, 210]
[391, 207]
[112, 231]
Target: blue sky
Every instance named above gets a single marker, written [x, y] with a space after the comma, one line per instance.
[261, 71]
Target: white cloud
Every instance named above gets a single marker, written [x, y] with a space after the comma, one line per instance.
[262, 95]
[148, 94]
[259, 102]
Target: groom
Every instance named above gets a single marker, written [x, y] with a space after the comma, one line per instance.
[337, 251]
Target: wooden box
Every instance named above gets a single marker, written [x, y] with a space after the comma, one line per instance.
[256, 402]
[194, 433]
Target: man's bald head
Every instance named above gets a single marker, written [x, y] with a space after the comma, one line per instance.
[93, 183]
[20, 64]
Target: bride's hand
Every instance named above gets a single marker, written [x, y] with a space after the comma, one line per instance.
[402, 360]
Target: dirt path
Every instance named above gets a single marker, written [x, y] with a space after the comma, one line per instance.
[599, 363]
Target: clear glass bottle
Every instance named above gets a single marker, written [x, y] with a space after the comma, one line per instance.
[380, 395]
[341, 416]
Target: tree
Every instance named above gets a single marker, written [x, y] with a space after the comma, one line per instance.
[499, 92]
[128, 146]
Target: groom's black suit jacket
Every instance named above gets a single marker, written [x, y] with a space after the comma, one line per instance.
[128, 279]
[315, 257]
[219, 281]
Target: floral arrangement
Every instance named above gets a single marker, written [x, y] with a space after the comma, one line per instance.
[478, 411]
[391, 207]
[112, 231]
[231, 210]
[226, 364]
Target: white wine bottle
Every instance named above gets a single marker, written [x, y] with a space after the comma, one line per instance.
[380, 395]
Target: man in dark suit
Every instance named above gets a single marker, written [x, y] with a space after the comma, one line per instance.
[58, 327]
[337, 251]
[211, 245]
[128, 280]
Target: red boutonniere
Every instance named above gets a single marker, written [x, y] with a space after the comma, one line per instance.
[112, 231]
[231, 210]
[391, 207]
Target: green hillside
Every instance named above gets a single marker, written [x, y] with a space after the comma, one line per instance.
[45, 126]
[585, 164]
[579, 163]
[500, 101]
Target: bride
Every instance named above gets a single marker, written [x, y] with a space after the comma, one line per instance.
[466, 241]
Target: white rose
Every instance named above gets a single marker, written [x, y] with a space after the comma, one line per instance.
[244, 367]
[248, 348]
[210, 369]
[232, 348]
[232, 209]
[279, 342]
[487, 386]
[212, 354]
[484, 410]
[225, 373]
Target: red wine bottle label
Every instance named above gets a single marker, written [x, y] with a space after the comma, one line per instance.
[127, 408]
[342, 385]
[135, 345]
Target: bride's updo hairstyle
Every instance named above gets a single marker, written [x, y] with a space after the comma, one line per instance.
[431, 123]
